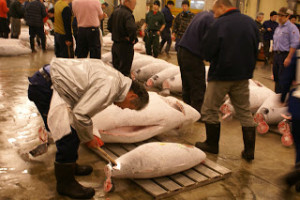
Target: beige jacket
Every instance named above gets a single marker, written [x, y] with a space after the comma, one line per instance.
[88, 86]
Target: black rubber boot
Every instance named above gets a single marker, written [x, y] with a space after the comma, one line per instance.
[83, 170]
[67, 185]
[249, 143]
[211, 144]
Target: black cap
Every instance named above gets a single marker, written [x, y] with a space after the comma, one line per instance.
[273, 13]
[186, 3]
[156, 3]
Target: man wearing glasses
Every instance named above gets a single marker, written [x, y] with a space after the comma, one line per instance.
[286, 40]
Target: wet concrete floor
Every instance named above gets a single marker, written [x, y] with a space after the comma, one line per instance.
[23, 177]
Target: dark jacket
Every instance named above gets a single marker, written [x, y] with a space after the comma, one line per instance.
[181, 23]
[286, 80]
[16, 10]
[261, 30]
[168, 17]
[268, 35]
[122, 25]
[231, 46]
[193, 36]
[35, 11]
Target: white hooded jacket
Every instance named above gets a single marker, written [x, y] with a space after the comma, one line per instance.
[88, 86]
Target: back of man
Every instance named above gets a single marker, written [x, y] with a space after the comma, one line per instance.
[88, 14]
[231, 46]
[62, 28]
[123, 28]
[16, 12]
[190, 60]
[228, 47]
[166, 33]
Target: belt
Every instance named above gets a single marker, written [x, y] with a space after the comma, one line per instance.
[281, 52]
[45, 74]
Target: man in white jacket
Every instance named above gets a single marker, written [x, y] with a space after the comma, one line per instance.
[88, 87]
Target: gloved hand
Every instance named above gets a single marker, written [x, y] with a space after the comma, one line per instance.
[95, 143]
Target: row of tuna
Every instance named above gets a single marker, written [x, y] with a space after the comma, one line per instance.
[267, 110]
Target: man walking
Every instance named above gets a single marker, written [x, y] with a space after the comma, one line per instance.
[16, 14]
[269, 27]
[190, 59]
[35, 11]
[123, 28]
[166, 33]
[62, 28]
[88, 14]
[232, 53]
[151, 30]
[181, 22]
[286, 40]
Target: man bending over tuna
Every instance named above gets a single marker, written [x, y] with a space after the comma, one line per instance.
[88, 87]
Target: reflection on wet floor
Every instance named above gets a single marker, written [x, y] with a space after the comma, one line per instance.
[25, 177]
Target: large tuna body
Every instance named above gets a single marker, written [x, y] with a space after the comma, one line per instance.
[13, 47]
[127, 126]
[154, 160]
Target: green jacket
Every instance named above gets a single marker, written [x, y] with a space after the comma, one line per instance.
[155, 21]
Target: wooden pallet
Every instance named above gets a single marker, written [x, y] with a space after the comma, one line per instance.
[162, 187]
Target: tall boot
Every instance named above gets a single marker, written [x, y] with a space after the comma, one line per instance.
[249, 143]
[211, 144]
[66, 183]
[83, 170]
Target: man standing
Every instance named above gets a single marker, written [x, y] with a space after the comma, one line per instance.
[103, 6]
[232, 54]
[99, 87]
[35, 11]
[166, 33]
[154, 25]
[286, 40]
[4, 29]
[190, 59]
[261, 29]
[88, 14]
[123, 28]
[181, 22]
[16, 13]
[62, 28]
[269, 27]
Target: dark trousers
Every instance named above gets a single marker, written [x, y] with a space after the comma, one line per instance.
[37, 31]
[88, 40]
[61, 49]
[267, 48]
[177, 40]
[296, 136]
[122, 56]
[192, 70]
[278, 69]
[4, 28]
[166, 37]
[40, 93]
[152, 43]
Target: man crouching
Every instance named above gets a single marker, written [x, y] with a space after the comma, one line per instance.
[88, 87]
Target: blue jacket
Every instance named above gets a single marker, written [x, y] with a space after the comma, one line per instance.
[231, 46]
[286, 80]
[35, 11]
[168, 16]
[193, 36]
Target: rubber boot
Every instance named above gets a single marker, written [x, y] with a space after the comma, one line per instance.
[32, 44]
[83, 170]
[249, 143]
[66, 183]
[211, 144]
